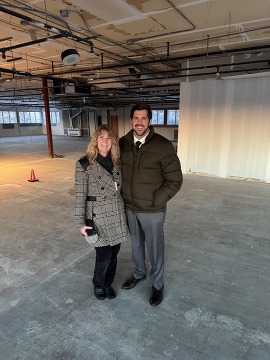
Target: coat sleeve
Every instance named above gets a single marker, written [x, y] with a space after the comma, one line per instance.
[172, 175]
[81, 189]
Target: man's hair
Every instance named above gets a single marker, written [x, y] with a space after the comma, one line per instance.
[92, 150]
[141, 106]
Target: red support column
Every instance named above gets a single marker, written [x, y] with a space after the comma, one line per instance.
[47, 113]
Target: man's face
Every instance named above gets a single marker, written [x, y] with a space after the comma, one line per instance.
[140, 123]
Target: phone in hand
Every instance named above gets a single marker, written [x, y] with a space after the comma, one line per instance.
[91, 232]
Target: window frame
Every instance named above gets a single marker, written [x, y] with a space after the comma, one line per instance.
[165, 124]
[55, 117]
[3, 114]
[23, 115]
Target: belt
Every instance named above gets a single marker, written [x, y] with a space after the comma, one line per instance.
[91, 198]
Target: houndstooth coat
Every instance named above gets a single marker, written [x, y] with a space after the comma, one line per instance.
[97, 196]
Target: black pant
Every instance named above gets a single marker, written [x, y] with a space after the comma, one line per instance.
[105, 267]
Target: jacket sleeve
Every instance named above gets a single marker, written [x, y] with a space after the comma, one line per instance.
[172, 176]
[81, 189]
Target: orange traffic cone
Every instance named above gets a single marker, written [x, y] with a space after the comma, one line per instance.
[32, 177]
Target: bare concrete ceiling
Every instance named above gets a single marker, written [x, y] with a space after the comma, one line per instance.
[129, 50]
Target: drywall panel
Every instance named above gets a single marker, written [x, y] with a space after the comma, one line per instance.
[225, 127]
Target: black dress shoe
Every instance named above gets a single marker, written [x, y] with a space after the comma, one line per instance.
[132, 282]
[156, 296]
[99, 293]
[110, 293]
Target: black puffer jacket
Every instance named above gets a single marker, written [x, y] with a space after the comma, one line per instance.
[153, 176]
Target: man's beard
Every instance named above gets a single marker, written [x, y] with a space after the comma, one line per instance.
[144, 131]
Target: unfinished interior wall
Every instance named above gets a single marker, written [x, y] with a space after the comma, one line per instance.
[224, 128]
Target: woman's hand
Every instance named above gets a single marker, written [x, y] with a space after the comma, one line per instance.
[83, 230]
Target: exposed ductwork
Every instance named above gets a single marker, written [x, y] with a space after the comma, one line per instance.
[138, 52]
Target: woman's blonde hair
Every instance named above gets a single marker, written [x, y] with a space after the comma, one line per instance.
[92, 150]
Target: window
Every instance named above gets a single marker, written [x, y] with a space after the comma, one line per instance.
[30, 117]
[8, 117]
[166, 117]
[54, 116]
[158, 117]
[172, 117]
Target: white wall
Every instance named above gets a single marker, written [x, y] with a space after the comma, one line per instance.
[225, 128]
[167, 132]
[21, 130]
[30, 130]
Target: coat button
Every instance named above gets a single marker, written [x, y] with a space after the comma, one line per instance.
[102, 188]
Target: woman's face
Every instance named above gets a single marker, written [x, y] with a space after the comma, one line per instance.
[104, 143]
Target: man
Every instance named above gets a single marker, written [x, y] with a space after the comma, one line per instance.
[151, 177]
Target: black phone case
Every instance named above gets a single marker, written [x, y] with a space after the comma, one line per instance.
[90, 232]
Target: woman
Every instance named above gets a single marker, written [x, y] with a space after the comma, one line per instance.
[97, 193]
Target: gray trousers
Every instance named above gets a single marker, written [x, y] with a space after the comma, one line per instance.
[146, 229]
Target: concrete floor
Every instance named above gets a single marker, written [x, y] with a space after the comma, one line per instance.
[217, 279]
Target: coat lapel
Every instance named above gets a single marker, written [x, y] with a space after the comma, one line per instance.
[104, 180]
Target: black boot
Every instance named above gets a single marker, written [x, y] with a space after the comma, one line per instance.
[99, 293]
[110, 293]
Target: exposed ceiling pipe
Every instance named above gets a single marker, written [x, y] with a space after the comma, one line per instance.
[135, 41]
[193, 27]
[106, 40]
[73, 117]
[148, 75]
[26, 73]
[49, 27]
[161, 74]
[34, 42]
[37, 92]
[28, 19]
[190, 42]
[177, 79]
[125, 64]
[181, 14]
[211, 38]
[168, 50]
[179, 58]
[99, 37]
[6, 38]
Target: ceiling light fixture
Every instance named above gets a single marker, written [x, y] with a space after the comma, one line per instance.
[134, 71]
[91, 48]
[70, 57]
[64, 12]
[4, 56]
